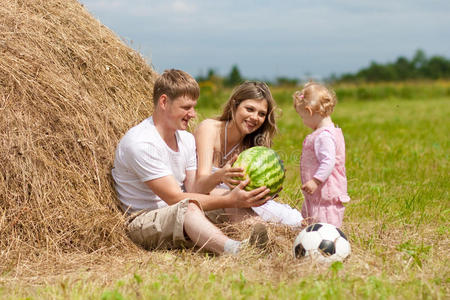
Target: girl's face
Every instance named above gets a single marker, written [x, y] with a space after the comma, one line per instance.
[250, 115]
[310, 119]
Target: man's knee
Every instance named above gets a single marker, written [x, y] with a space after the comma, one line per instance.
[194, 207]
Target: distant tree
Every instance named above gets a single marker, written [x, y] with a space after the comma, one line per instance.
[376, 72]
[437, 67]
[419, 67]
[234, 78]
[346, 77]
[404, 69]
[200, 78]
[419, 59]
[211, 74]
[286, 81]
[332, 78]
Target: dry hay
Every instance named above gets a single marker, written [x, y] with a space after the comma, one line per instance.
[69, 89]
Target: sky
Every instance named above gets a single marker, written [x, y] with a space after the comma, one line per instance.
[267, 39]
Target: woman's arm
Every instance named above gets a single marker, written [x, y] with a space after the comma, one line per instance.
[206, 135]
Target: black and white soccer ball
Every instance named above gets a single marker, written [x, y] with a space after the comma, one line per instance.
[322, 242]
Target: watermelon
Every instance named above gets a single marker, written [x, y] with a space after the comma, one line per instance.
[263, 167]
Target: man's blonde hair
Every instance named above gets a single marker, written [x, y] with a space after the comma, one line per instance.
[175, 83]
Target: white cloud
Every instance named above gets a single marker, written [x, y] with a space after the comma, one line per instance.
[183, 7]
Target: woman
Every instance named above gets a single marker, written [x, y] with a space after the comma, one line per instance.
[248, 120]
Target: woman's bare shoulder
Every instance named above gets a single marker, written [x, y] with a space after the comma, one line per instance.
[210, 125]
[207, 133]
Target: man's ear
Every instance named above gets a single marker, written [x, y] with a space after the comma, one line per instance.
[162, 101]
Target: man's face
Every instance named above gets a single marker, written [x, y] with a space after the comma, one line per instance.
[180, 110]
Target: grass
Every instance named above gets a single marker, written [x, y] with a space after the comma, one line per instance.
[397, 222]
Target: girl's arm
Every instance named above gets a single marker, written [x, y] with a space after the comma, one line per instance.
[325, 150]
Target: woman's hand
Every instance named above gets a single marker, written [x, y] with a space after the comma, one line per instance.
[227, 174]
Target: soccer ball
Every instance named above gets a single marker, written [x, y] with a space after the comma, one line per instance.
[322, 242]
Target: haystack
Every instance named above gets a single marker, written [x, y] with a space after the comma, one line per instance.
[69, 89]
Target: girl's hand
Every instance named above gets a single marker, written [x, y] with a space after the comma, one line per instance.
[311, 186]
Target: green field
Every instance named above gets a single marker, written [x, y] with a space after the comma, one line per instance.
[397, 222]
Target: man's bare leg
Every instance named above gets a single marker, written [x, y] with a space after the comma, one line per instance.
[202, 232]
[206, 235]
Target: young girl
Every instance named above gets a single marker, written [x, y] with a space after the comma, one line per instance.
[322, 164]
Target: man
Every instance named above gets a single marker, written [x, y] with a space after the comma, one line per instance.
[154, 171]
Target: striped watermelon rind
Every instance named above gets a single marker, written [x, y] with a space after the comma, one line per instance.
[263, 166]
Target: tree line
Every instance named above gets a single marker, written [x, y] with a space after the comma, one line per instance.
[418, 67]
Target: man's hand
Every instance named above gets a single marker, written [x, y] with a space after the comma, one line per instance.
[311, 186]
[238, 197]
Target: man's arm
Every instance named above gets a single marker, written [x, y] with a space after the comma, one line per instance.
[168, 190]
[190, 181]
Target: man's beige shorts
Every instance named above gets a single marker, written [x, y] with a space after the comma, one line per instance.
[163, 228]
[160, 228]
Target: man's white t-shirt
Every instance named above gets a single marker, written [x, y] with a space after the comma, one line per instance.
[142, 155]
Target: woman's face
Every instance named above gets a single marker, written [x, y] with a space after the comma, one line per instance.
[250, 115]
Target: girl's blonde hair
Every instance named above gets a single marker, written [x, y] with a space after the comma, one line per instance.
[316, 97]
[258, 91]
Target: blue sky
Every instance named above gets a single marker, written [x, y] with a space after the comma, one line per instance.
[267, 39]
